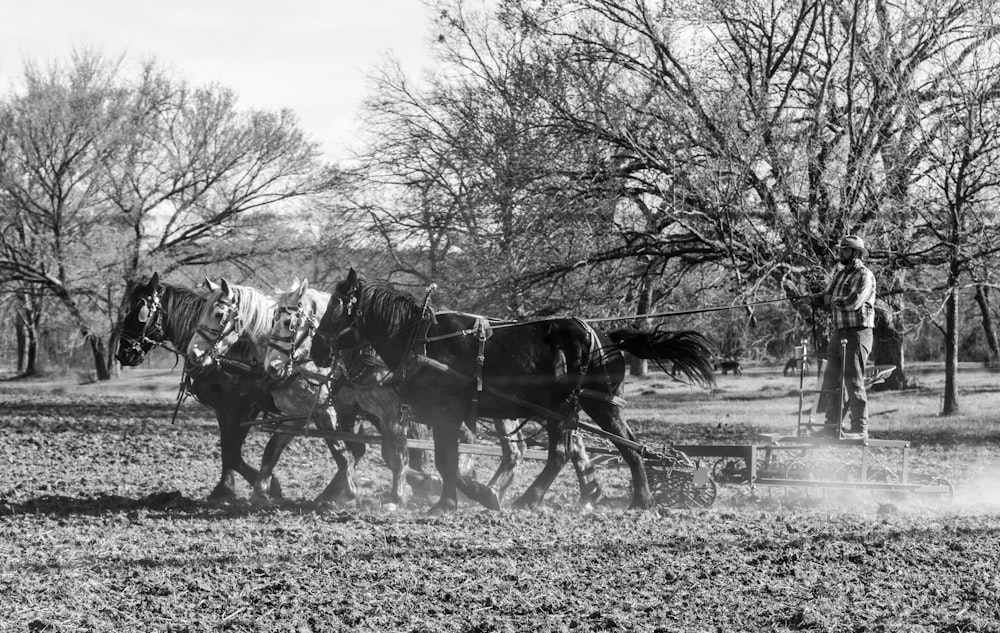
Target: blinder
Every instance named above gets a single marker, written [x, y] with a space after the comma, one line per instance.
[149, 313]
[229, 322]
[301, 325]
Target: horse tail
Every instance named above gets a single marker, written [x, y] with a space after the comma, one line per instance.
[689, 351]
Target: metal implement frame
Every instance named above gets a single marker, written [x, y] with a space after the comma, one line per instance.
[758, 457]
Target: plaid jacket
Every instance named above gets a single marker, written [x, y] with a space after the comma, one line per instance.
[852, 296]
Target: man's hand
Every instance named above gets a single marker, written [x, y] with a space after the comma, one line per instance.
[818, 300]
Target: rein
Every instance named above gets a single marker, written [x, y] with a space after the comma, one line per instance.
[655, 315]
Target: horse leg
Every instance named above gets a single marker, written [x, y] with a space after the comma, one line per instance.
[482, 494]
[512, 449]
[263, 487]
[225, 490]
[347, 408]
[232, 434]
[416, 474]
[558, 440]
[446, 461]
[249, 473]
[608, 416]
[342, 487]
[395, 454]
[590, 488]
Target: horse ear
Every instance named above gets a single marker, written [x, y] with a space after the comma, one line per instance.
[225, 287]
[303, 286]
[352, 280]
[211, 285]
[154, 281]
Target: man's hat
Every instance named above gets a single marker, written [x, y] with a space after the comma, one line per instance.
[853, 241]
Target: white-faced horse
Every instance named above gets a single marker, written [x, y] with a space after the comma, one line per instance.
[232, 313]
[361, 380]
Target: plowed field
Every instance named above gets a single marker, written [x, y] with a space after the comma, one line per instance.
[104, 527]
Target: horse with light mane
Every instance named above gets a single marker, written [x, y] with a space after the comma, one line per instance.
[361, 381]
[233, 313]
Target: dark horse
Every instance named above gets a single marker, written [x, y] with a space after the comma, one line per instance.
[159, 313]
[459, 366]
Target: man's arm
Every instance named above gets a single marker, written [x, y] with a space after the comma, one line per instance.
[864, 288]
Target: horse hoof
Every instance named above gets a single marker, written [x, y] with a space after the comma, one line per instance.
[222, 495]
[338, 498]
[395, 500]
[527, 501]
[440, 509]
[261, 500]
[492, 500]
[591, 499]
[642, 505]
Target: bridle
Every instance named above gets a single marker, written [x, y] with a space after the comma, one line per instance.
[231, 322]
[349, 315]
[302, 326]
[150, 314]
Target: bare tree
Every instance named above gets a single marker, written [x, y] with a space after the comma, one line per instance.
[108, 177]
[958, 223]
[54, 138]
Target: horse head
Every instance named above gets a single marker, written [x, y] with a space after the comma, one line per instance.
[296, 317]
[338, 318]
[142, 327]
[232, 314]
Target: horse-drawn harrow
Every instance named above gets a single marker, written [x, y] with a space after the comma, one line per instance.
[688, 475]
[677, 475]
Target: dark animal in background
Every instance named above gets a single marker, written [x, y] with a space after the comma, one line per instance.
[729, 366]
[790, 366]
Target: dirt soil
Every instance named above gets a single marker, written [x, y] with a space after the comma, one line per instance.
[104, 527]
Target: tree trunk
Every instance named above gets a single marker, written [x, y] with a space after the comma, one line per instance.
[950, 406]
[887, 349]
[89, 336]
[27, 341]
[983, 299]
[21, 331]
[100, 363]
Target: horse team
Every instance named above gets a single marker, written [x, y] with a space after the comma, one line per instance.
[370, 349]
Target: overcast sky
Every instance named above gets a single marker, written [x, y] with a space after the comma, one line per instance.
[308, 55]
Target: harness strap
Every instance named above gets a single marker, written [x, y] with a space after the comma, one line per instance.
[442, 337]
[480, 361]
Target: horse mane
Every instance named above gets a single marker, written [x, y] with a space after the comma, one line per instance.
[182, 308]
[256, 309]
[320, 298]
[393, 309]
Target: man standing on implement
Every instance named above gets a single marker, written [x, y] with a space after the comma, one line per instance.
[851, 298]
